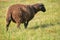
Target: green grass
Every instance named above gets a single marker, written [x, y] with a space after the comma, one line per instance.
[44, 26]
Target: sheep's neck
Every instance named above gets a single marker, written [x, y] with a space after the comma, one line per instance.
[36, 10]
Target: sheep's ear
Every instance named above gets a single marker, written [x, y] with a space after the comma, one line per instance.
[35, 6]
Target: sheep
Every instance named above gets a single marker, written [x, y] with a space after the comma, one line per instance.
[20, 13]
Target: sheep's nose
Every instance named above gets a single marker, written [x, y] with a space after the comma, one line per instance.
[44, 10]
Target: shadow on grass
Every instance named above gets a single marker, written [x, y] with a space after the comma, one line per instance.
[58, 23]
[46, 25]
[35, 27]
[42, 26]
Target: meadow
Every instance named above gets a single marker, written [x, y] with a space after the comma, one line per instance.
[44, 26]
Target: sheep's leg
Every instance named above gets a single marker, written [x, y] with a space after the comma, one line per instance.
[17, 20]
[18, 25]
[26, 24]
[7, 24]
[8, 20]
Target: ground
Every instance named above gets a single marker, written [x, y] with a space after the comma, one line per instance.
[44, 26]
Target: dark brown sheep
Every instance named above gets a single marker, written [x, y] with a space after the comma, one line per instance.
[19, 13]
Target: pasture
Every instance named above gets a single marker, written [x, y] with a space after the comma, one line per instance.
[44, 26]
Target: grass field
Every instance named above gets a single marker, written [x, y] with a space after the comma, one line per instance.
[44, 26]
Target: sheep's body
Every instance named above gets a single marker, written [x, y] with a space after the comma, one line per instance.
[21, 14]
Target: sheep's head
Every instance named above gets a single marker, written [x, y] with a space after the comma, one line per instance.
[40, 7]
